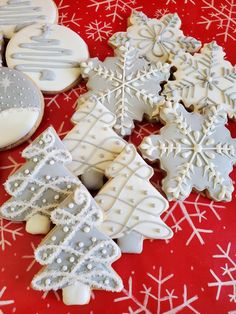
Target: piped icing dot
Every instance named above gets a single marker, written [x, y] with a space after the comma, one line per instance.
[48, 281]
[64, 268]
[72, 259]
[27, 171]
[89, 266]
[93, 239]
[71, 205]
[81, 244]
[54, 238]
[86, 229]
[65, 229]
[59, 260]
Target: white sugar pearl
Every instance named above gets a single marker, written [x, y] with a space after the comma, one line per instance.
[65, 229]
[89, 266]
[94, 239]
[27, 171]
[81, 244]
[59, 261]
[56, 197]
[64, 268]
[48, 281]
[72, 259]
[54, 238]
[71, 205]
[68, 186]
[48, 177]
[45, 255]
[44, 200]
[35, 159]
[12, 209]
[16, 184]
[51, 162]
[32, 189]
[107, 281]
[104, 251]
[86, 229]
[41, 142]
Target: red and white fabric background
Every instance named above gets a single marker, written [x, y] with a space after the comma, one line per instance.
[195, 272]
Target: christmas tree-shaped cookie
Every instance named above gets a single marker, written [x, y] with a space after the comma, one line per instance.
[93, 143]
[40, 184]
[77, 257]
[131, 205]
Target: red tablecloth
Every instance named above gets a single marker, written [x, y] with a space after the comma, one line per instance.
[195, 272]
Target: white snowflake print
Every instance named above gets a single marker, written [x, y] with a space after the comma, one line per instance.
[127, 85]
[8, 230]
[115, 8]
[175, 1]
[203, 79]
[12, 166]
[195, 150]
[193, 214]
[160, 12]
[64, 18]
[223, 14]
[98, 30]
[227, 277]
[155, 292]
[4, 302]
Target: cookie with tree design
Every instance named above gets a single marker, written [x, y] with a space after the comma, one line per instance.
[127, 85]
[156, 39]
[203, 79]
[40, 184]
[132, 206]
[196, 152]
[76, 256]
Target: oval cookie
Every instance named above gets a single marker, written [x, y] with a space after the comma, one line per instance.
[16, 14]
[21, 108]
[49, 54]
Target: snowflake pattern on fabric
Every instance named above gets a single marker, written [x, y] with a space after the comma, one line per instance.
[227, 278]
[8, 229]
[155, 39]
[163, 297]
[195, 150]
[127, 85]
[223, 15]
[98, 30]
[204, 78]
[75, 250]
[2, 301]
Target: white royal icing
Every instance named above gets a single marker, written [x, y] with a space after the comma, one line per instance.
[42, 182]
[92, 142]
[196, 151]
[75, 253]
[127, 85]
[16, 14]
[21, 106]
[203, 79]
[130, 202]
[49, 54]
[155, 39]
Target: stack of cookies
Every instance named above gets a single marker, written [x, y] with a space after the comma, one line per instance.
[156, 72]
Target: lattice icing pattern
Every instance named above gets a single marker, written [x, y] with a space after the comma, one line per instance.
[196, 151]
[127, 85]
[131, 205]
[155, 39]
[204, 78]
[42, 182]
[92, 143]
[75, 251]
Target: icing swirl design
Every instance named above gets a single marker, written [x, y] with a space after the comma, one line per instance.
[42, 54]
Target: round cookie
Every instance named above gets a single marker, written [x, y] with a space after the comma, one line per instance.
[21, 108]
[16, 14]
[49, 54]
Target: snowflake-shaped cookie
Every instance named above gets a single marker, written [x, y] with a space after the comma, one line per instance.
[154, 38]
[204, 78]
[196, 151]
[127, 85]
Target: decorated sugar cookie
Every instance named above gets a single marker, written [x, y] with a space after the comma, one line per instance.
[196, 151]
[1, 47]
[155, 39]
[40, 184]
[92, 142]
[127, 85]
[131, 204]
[77, 257]
[16, 14]
[21, 107]
[204, 78]
[49, 54]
